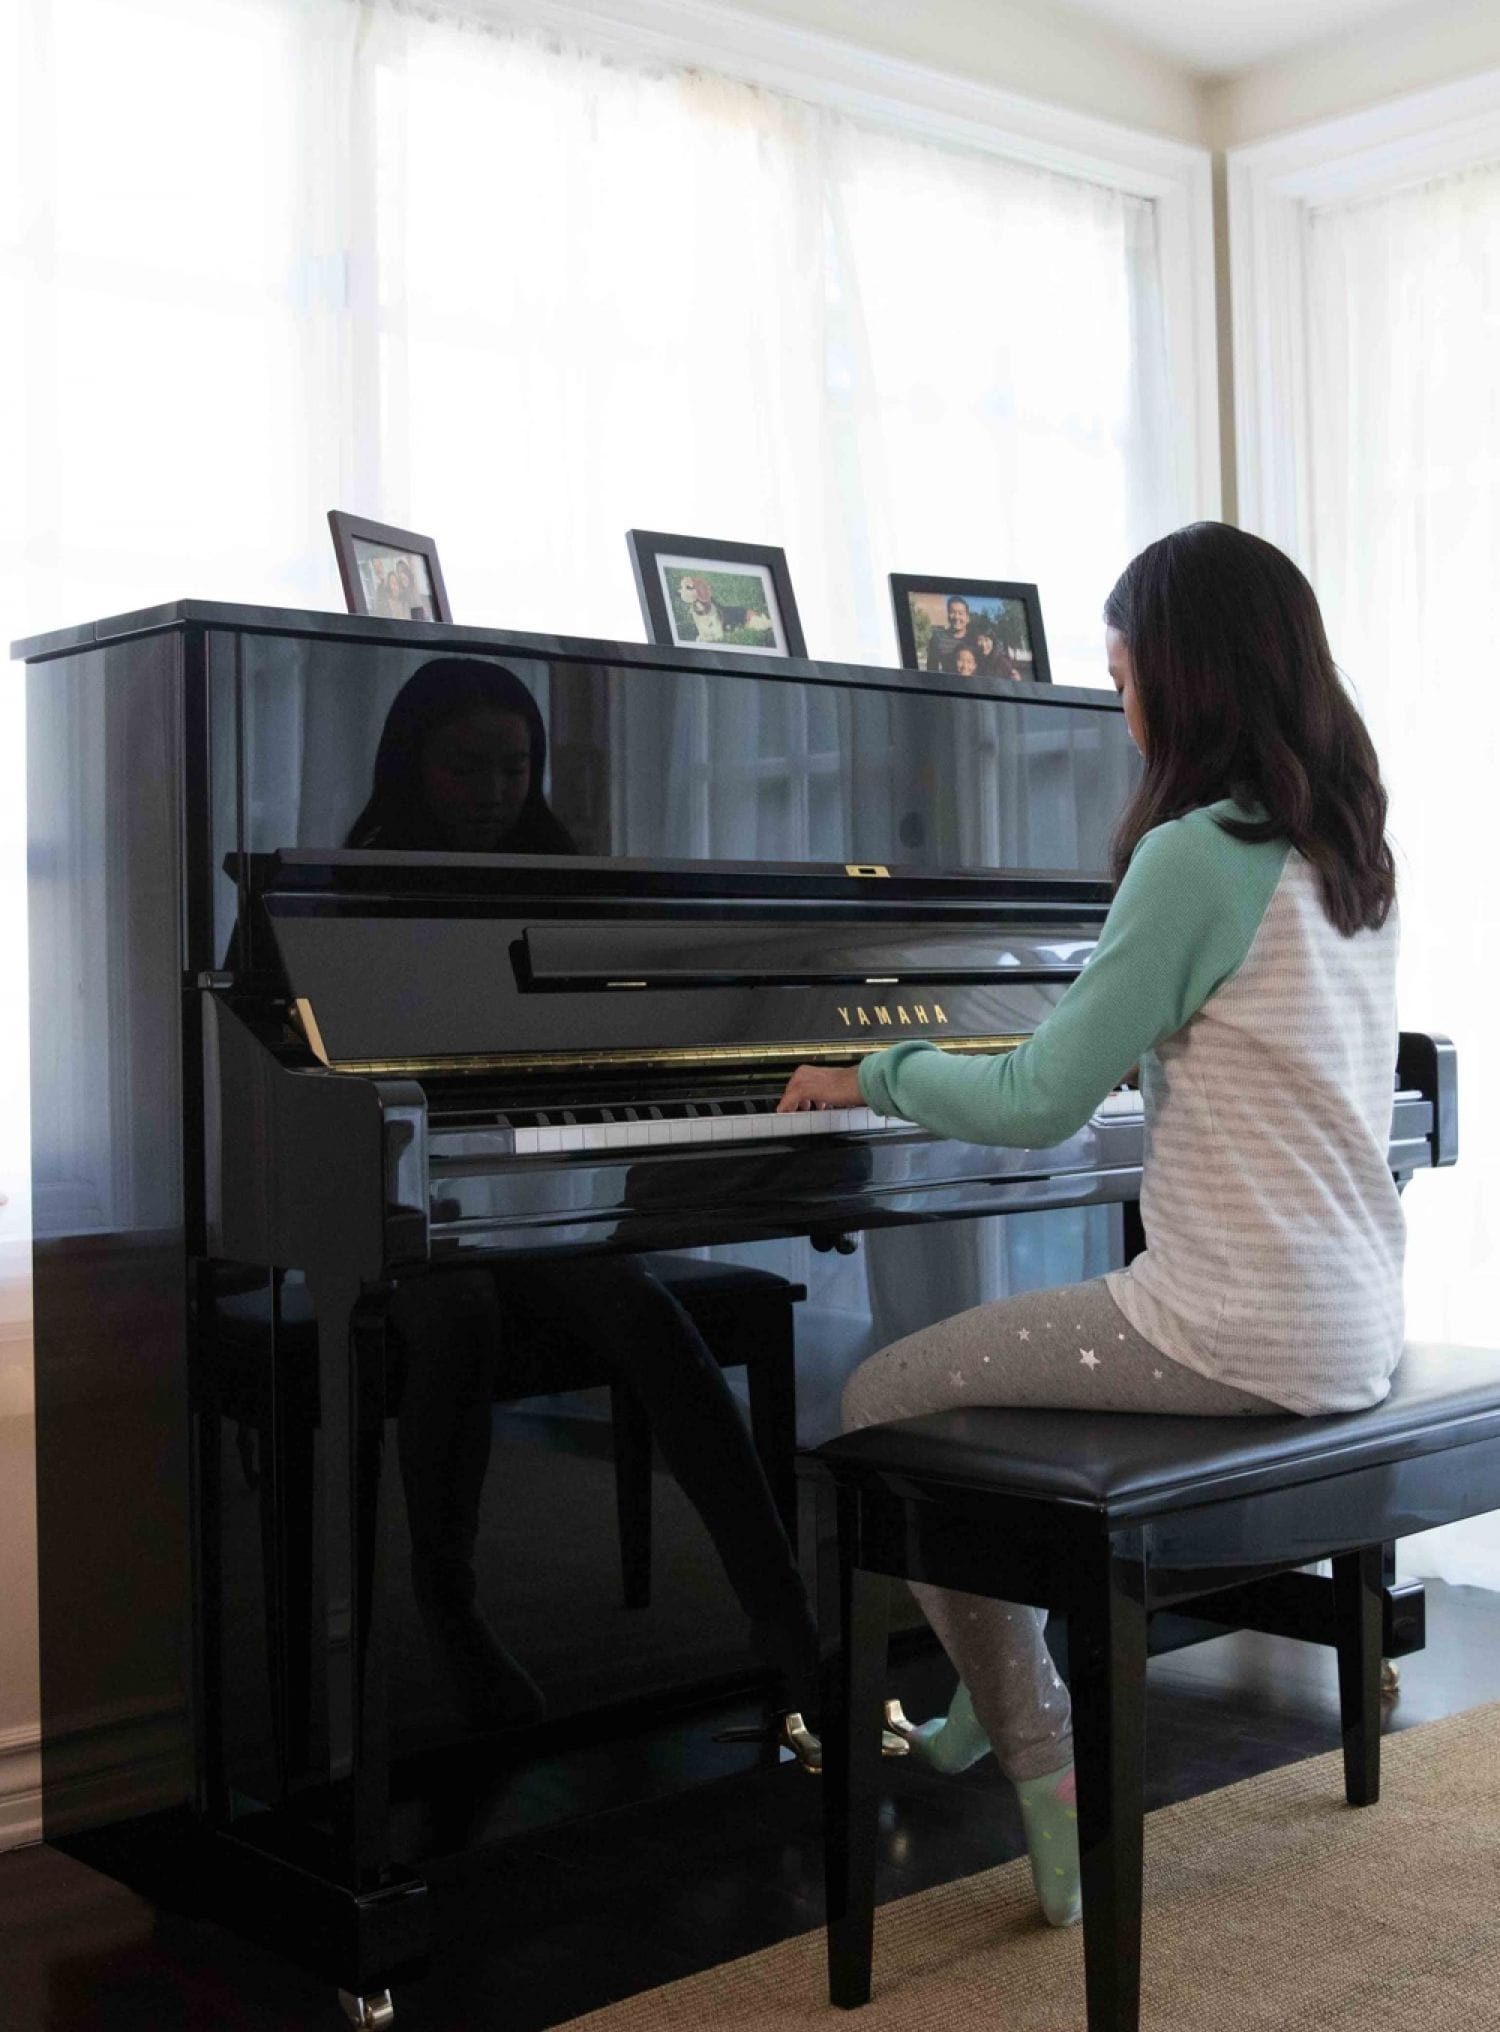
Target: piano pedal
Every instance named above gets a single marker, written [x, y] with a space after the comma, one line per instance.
[1390, 1679]
[793, 1739]
[796, 1740]
[370, 2012]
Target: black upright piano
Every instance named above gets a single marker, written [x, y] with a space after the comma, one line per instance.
[276, 1075]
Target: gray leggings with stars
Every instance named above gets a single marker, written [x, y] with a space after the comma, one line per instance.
[1070, 1348]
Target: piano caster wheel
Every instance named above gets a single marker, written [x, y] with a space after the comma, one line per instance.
[1390, 1679]
[370, 2012]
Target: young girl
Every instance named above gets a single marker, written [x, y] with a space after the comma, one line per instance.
[1247, 966]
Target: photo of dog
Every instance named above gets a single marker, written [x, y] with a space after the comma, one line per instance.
[714, 608]
[713, 594]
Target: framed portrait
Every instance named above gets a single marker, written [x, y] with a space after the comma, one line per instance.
[700, 593]
[390, 574]
[970, 627]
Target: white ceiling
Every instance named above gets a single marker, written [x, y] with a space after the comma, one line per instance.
[1216, 37]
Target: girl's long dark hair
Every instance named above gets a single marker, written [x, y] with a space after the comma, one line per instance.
[1239, 697]
[446, 689]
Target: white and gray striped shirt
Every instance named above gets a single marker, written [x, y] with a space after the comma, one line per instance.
[1267, 1046]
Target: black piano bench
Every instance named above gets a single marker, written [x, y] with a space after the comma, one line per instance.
[1110, 1518]
[745, 1316]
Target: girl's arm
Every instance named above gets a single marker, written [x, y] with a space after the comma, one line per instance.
[1181, 924]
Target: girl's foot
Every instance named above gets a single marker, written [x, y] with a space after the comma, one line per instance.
[1049, 1813]
[950, 1742]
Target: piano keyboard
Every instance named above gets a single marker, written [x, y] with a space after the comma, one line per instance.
[677, 1125]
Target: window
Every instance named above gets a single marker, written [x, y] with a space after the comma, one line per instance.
[525, 292]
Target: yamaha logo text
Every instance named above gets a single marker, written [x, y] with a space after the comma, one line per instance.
[885, 1016]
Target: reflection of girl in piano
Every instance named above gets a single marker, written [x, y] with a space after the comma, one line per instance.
[461, 767]
[1248, 966]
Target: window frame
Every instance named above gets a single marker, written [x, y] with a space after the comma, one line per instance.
[943, 107]
[1274, 186]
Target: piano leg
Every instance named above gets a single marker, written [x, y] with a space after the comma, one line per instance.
[773, 1418]
[351, 1376]
[633, 1448]
[211, 1783]
[373, 2011]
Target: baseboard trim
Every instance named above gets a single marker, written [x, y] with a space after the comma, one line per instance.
[109, 1767]
[20, 1787]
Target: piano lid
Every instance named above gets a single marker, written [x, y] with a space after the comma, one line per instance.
[579, 956]
[326, 874]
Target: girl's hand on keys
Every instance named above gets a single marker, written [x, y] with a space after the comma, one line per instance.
[821, 1086]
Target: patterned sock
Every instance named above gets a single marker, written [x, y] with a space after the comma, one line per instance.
[1049, 1812]
[954, 1741]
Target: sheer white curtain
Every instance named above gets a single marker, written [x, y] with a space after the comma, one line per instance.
[260, 257]
[685, 303]
[1405, 409]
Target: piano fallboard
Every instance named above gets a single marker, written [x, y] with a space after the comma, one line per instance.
[792, 1180]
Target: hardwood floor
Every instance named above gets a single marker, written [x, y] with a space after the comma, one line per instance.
[598, 1892]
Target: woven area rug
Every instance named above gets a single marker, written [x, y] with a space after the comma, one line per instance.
[1268, 1904]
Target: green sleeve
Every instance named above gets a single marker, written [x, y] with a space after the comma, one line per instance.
[1181, 924]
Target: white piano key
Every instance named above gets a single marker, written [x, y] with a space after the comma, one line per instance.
[727, 1129]
[1124, 1104]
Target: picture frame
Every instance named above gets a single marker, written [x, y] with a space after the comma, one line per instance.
[388, 574]
[701, 592]
[1002, 619]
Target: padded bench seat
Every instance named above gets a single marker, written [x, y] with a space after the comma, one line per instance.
[1110, 1517]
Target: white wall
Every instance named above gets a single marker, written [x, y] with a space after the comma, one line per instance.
[19, 1701]
[1429, 42]
[1032, 47]
[1425, 43]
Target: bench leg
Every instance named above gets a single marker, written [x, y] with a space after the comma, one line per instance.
[1107, 1659]
[772, 1379]
[632, 1493]
[853, 1613]
[1358, 1601]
